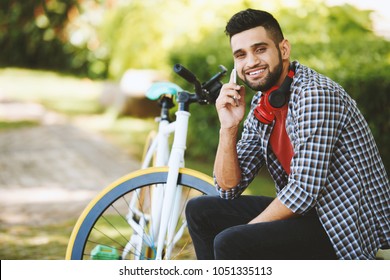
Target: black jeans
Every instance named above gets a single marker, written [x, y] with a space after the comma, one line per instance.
[219, 230]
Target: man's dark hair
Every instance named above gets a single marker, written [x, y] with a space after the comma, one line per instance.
[249, 19]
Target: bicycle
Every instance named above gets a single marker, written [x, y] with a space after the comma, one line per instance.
[141, 215]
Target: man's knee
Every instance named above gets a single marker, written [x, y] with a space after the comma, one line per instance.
[225, 244]
[194, 205]
[195, 210]
[198, 204]
[235, 243]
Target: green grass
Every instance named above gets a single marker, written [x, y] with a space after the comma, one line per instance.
[5, 125]
[46, 242]
[61, 93]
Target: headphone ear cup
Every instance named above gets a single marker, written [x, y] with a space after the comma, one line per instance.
[273, 99]
[262, 114]
[277, 98]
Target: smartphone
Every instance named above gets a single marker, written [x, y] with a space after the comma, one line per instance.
[235, 81]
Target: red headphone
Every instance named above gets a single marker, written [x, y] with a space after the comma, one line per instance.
[274, 99]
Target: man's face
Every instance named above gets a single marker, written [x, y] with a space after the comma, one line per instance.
[257, 60]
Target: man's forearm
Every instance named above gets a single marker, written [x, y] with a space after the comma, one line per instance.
[275, 211]
[226, 168]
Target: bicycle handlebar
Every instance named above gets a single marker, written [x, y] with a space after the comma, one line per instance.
[185, 73]
[189, 77]
[207, 92]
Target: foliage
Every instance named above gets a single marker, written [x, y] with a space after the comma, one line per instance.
[143, 34]
[130, 44]
[371, 87]
[34, 34]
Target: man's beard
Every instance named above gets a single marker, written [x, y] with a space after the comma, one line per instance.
[269, 81]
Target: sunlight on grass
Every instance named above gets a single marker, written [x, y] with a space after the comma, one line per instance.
[16, 124]
[35, 242]
[35, 85]
[58, 92]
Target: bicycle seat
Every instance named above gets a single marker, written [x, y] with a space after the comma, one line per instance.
[162, 88]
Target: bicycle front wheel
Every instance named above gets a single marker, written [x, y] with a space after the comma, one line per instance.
[117, 224]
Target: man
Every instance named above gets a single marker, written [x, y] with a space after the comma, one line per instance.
[332, 190]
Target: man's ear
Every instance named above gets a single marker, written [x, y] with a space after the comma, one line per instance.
[285, 49]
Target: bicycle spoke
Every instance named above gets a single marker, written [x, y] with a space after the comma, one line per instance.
[142, 207]
[147, 239]
[181, 251]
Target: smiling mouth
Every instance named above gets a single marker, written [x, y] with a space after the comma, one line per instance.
[255, 72]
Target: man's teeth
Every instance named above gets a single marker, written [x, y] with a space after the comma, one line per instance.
[256, 72]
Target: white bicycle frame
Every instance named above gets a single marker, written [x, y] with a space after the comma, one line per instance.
[165, 204]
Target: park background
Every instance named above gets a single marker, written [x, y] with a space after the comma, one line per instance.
[70, 58]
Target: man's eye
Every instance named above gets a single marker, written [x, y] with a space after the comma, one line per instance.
[260, 50]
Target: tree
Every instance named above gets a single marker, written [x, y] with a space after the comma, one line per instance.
[34, 34]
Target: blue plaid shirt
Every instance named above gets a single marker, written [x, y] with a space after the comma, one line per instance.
[336, 167]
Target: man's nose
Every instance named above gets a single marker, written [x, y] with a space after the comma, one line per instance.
[253, 60]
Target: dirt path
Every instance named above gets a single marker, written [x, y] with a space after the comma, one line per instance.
[49, 172]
